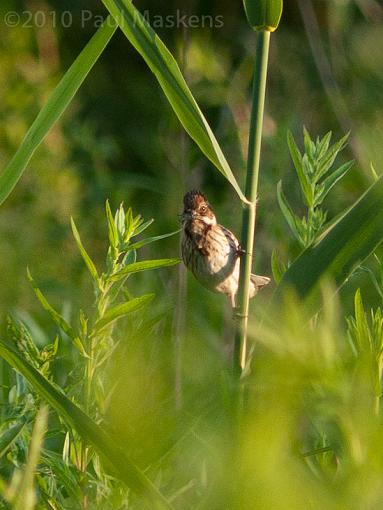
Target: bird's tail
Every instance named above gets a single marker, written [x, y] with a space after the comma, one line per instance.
[259, 282]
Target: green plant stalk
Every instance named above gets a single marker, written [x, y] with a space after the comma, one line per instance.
[249, 212]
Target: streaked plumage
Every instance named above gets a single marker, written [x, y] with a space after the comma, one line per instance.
[211, 251]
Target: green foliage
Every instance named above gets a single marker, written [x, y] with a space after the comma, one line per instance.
[55, 107]
[94, 339]
[311, 433]
[316, 178]
[341, 249]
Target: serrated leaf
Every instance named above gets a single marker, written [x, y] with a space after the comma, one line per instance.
[165, 68]
[124, 468]
[88, 261]
[120, 311]
[143, 266]
[55, 107]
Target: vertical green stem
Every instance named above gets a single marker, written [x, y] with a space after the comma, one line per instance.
[249, 213]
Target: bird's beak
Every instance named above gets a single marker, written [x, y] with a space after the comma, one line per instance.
[187, 215]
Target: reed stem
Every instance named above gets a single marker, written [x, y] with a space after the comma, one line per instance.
[249, 212]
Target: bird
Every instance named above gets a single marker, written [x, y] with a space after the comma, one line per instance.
[211, 251]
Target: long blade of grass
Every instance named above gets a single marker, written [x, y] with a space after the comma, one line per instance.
[340, 249]
[55, 107]
[165, 68]
[124, 468]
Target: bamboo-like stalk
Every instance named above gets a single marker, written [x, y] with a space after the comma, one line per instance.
[249, 212]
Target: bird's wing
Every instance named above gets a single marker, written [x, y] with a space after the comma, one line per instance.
[231, 238]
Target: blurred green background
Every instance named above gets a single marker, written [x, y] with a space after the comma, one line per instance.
[120, 140]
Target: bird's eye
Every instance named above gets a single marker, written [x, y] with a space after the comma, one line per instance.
[203, 209]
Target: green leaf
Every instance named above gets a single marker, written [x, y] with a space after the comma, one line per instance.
[362, 329]
[142, 227]
[331, 180]
[166, 70]
[323, 145]
[8, 437]
[122, 310]
[143, 266]
[150, 240]
[330, 156]
[88, 261]
[277, 266]
[297, 158]
[309, 144]
[112, 229]
[55, 107]
[55, 316]
[288, 212]
[124, 468]
[340, 249]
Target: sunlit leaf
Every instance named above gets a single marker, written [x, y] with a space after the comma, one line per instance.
[143, 266]
[122, 310]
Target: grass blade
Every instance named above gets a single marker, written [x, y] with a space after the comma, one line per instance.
[165, 68]
[121, 310]
[340, 249]
[55, 107]
[124, 468]
[145, 265]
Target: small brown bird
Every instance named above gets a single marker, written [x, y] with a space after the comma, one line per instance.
[211, 251]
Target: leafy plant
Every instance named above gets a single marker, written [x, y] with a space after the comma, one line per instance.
[95, 342]
[316, 179]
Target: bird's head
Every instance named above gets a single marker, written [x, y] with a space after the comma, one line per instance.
[196, 207]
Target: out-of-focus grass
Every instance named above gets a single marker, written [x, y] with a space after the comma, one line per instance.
[312, 434]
